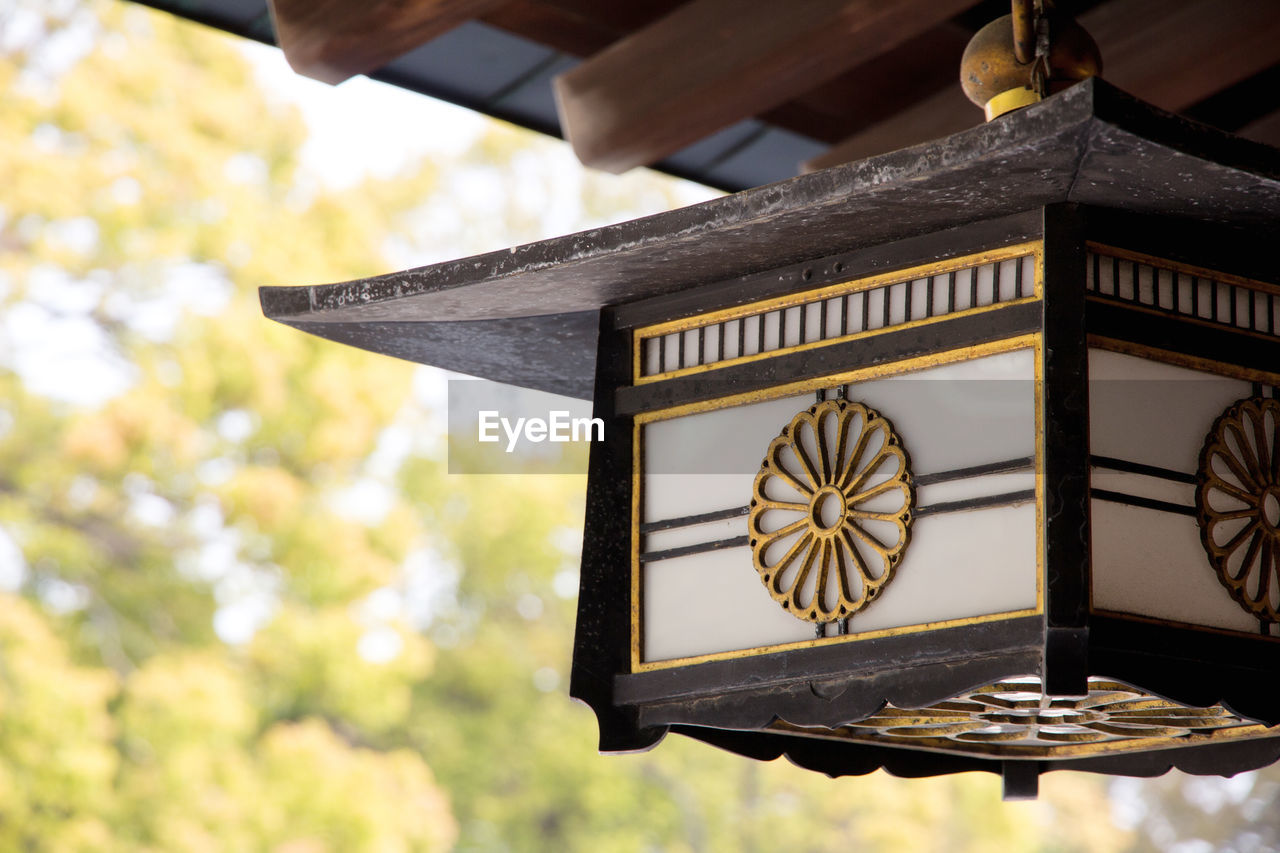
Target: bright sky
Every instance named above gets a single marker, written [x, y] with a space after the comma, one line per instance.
[363, 127]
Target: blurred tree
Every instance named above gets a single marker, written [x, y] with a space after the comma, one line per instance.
[246, 607]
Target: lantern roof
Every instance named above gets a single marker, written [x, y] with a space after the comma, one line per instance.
[528, 316]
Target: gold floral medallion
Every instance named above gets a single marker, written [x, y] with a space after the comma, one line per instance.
[830, 513]
[1238, 503]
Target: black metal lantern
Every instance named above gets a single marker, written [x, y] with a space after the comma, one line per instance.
[965, 457]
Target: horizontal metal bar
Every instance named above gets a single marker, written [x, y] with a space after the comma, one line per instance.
[1141, 468]
[701, 547]
[690, 520]
[1006, 499]
[1148, 503]
[976, 471]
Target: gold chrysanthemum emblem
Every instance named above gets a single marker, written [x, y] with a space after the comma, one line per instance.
[1238, 503]
[830, 514]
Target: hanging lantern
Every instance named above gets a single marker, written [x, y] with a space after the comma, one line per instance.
[965, 457]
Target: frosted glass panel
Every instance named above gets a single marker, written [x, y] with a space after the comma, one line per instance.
[961, 563]
[1146, 411]
[693, 534]
[1151, 563]
[711, 602]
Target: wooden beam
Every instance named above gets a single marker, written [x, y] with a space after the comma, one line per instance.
[858, 98]
[1172, 53]
[1265, 129]
[945, 112]
[331, 40]
[711, 63]
[1175, 53]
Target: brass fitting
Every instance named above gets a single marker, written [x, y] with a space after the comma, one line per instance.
[994, 79]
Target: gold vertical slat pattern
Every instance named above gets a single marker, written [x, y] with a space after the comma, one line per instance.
[836, 313]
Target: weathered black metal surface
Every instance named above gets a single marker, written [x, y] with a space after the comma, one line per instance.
[1193, 667]
[1064, 395]
[602, 638]
[554, 353]
[825, 687]
[848, 759]
[1091, 144]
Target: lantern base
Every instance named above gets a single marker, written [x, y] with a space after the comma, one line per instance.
[1015, 719]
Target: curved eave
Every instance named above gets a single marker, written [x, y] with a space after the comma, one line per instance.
[1092, 144]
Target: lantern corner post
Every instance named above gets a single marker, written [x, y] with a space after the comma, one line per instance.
[1063, 395]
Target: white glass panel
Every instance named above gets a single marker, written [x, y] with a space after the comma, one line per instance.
[960, 564]
[1204, 295]
[711, 343]
[1260, 312]
[711, 602]
[1223, 300]
[693, 534]
[667, 496]
[1106, 277]
[898, 303]
[1146, 284]
[671, 351]
[875, 308]
[964, 289]
[772, 330]
[960, 415]
[813, 330]
[1182, 284]
[651, 346]
[856, 312]
[793, 327]
[920, 298]
[751, 334]
[835, 310]
[691, 351]
[986, 284]
[730, 330]
[1124, 274]
[1164, 281]
[939, 285]
[1151, 563]
[1242, 297]
[1008, 279]
[1146, 411]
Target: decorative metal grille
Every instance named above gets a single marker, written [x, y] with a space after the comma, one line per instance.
[830, 512]
[1238, 503]
[1015, 718]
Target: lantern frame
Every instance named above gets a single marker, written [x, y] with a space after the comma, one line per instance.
[1081, 172]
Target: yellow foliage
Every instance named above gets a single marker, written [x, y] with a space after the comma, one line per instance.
[270, 496]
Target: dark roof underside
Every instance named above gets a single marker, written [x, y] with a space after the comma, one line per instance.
[529, 316]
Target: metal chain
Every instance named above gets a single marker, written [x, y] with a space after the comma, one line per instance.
[1040, 65]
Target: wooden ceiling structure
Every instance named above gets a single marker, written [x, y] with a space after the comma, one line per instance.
[637, 82]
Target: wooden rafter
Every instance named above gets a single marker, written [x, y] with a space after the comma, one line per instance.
[711, 63]
[331, 40]
[1171, 54]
